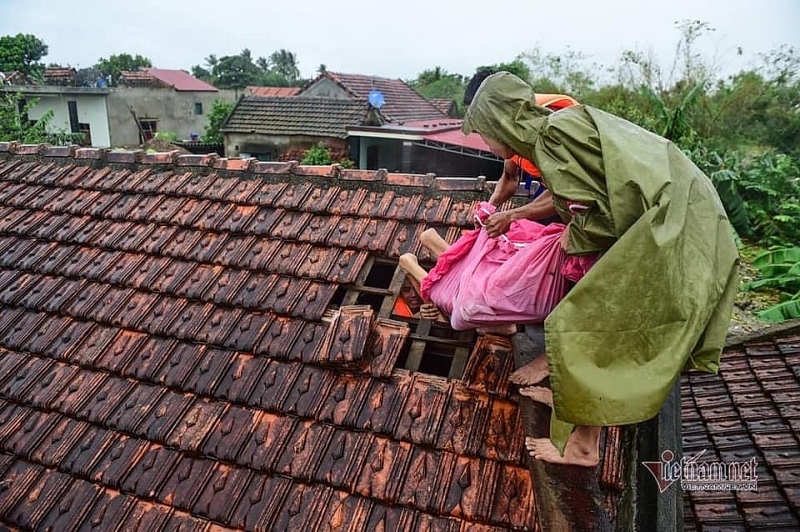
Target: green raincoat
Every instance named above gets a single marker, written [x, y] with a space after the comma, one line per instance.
[659, 300]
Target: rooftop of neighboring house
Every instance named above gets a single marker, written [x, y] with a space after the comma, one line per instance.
[446, 106]
[317, 117]
[401, 101]
[179, 80]
[751, 410]
[272, 91]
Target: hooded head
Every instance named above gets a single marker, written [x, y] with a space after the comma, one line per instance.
[504, 111]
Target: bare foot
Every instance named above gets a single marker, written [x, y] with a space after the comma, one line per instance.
[582, 448]
[539, 394]
[409, 263]
[433, 242]
[531, 373]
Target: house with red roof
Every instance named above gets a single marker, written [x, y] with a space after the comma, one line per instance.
[340, 111]
[152, 100]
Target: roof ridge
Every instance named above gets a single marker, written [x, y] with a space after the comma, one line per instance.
[179, 162]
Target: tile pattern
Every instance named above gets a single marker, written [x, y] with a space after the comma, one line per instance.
[169, 356]
[278, 115]
[401, 101]
[752, 409]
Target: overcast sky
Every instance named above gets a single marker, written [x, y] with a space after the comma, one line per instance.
[396, 38]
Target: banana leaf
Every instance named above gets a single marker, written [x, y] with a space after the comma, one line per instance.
[783, 311]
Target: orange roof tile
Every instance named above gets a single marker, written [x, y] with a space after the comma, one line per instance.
[272, 91]
[189, 341]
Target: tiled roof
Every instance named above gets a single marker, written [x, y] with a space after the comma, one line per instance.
[402, 102]
[751, 410]
[15, 77]
[445, 105]
[272, 91]
[321, 117]
[179, 80]
[59, 75]
[172, 356]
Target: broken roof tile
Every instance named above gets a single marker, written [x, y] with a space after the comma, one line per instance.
[314, 300]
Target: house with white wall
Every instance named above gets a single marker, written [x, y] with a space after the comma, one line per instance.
[81, 110]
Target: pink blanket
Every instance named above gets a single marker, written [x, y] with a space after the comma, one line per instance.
[518, 278]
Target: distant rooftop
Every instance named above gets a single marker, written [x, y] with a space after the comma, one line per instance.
[272, 91]
[180, 80]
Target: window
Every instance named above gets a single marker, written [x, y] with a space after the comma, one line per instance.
[149, 129]
[74, 127]
[86, 131]
[198, 108]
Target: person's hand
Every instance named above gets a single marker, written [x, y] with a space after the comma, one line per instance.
[498, 223]
[564, 241]
[429, 311]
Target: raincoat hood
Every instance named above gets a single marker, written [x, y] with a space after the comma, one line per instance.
[504, 109]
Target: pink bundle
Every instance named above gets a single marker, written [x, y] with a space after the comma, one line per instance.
[518, 278]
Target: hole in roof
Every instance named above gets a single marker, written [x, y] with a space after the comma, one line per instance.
[338, 297]
[380, 275]
[373, 300]
[436, 359]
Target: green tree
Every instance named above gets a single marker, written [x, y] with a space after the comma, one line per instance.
[240, 71]
[438, 83]
[120, 62]
[219, 112]
[284, 63]
[22, 52]
[516, 67]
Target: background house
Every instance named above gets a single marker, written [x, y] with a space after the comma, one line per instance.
[163, 100]
[75, 109]
[281, 128]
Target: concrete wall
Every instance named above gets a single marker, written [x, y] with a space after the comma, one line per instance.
[91, 110]
[278, 147]
[173, 111]
[326, 88]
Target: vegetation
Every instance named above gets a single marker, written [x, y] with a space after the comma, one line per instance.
[780, 270]
[220, 110]
[22, 52]
[240, 71]
[742, 131]
[317, 154]
[120, 62]
[16, 126]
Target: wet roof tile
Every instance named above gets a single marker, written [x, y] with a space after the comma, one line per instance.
[176, 342]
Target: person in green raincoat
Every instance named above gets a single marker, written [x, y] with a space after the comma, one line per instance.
[659, 299]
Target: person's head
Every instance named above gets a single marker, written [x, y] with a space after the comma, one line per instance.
[474, 83]
[503, 111]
